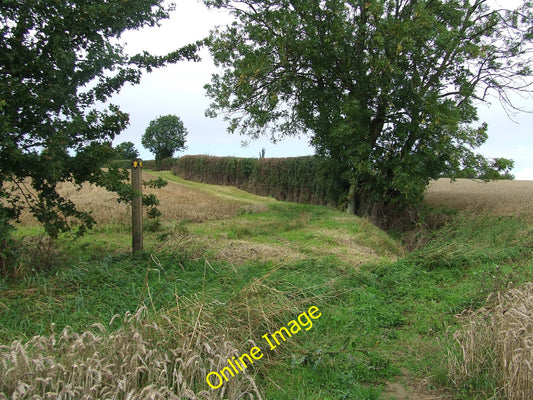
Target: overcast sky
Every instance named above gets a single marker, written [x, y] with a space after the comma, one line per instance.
[178, 89]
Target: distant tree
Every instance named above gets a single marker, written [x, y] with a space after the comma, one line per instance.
[60, 60]
[164, 136]
[388, 89]
[126, 151]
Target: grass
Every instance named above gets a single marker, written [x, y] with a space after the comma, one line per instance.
[288, 233]
[215, 285]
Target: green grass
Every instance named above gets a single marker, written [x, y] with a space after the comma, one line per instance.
[229, 193]
[386, 319]
[298, 231]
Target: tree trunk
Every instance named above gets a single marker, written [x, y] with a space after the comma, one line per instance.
[351, 199]
[360, 204]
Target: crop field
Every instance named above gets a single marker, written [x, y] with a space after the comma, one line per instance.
[503, 197]
[239, 296]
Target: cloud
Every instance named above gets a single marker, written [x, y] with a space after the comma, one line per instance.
[525, 174]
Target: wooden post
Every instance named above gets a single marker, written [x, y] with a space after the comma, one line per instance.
[137, 207]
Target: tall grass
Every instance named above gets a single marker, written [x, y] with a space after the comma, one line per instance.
[144, 359]
[496, 344]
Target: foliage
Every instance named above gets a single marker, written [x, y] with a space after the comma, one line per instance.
[6, 244]
[495, 169]
[126, 151]
[60, 60]
[385, 88]
[310, 180]
[164, 136]
[501, 169]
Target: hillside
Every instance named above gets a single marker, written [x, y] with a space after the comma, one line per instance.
[225, 270]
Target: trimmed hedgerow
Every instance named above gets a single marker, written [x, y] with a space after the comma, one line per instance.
[310, 179]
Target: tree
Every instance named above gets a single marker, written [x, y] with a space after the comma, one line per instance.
[61, 59]
[126, 151]
[501, 169]
[164, 136]
[489, 169]
[386, 88]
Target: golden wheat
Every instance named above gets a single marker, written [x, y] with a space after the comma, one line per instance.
[141, 360]
[498, 197]
[177, 202]
[498, 341]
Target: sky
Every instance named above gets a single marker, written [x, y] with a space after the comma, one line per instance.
[178, 89]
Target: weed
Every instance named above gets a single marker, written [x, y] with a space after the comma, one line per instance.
[468, 240]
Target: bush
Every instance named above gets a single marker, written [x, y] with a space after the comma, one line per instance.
[310, 179]
[6, 245]
[168, 163]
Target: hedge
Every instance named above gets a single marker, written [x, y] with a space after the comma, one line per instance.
[310, 179]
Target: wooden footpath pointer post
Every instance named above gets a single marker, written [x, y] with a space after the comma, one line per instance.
[136, 207]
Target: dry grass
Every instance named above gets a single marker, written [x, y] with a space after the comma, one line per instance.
[240, 251]
[497, 198]
[100, 202]
[497, 342]
[141, 360]
[177, 202]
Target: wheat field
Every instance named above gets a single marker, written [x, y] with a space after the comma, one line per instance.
[497, 197]
[177, 202]
[497, 341]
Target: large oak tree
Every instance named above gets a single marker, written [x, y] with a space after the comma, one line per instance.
[386, 88]
[59, 61]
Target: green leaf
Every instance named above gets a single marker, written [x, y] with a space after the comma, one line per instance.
[387, 89]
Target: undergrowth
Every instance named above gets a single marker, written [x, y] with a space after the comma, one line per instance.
[384, 320]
